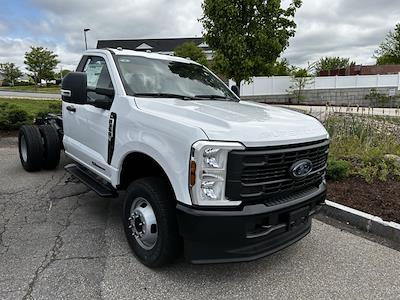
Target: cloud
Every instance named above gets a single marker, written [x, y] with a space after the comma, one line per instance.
[351, 28]
[114, 19]
[341, 28]
[3, 27]
[13, 50]
[61, 26]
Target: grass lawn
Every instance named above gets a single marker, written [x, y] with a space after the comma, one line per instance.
[32, 107]
[33, 89]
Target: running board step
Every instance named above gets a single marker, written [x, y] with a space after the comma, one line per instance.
[92, 181]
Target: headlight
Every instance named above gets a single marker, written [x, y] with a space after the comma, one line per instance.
[207, 176]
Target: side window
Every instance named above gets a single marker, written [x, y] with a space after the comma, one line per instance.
[98, 77]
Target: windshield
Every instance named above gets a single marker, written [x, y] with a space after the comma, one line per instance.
[170, 79]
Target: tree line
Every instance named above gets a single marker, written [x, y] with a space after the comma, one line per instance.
[40, 63]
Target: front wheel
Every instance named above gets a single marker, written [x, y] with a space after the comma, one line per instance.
[149, 221]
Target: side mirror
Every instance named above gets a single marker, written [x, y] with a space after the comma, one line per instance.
[74, 88]
[236, 90]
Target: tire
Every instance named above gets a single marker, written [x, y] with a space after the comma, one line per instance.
[30, 146]
[155, 192]
[52, 150]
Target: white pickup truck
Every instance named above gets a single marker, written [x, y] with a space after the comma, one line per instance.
[223, 179]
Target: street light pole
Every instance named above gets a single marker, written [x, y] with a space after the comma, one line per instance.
[84, 33]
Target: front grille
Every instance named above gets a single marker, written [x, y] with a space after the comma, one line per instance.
[263, 174]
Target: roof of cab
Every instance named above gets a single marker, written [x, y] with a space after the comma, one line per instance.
[141, 54]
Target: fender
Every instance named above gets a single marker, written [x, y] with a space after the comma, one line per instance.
[176, 173]
[165, 141]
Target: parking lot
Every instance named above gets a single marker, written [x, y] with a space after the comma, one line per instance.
[59, 240]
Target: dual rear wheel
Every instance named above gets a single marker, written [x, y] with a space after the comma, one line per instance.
[39, 147]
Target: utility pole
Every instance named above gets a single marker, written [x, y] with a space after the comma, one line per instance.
[84, 33]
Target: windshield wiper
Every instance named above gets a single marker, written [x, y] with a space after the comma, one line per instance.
[164, 95]
[213, 97]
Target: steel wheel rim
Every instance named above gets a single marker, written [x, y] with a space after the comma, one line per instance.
[143, 223]
[24, 150]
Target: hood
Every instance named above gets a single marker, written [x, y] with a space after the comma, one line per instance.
[250, 123]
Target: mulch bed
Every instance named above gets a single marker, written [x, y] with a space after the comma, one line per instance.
[381, 199]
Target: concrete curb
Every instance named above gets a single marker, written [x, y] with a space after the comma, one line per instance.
[363, 221]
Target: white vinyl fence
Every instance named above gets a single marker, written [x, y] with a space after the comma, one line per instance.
[280, 85]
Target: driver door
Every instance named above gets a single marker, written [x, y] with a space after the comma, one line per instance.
[92, 134]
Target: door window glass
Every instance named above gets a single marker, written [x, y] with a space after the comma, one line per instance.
[98, 77]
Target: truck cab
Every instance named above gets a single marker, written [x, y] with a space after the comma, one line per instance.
[223, 179]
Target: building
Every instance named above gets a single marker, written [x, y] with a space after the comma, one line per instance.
[162, 46]
[363, 70]
[24, 78]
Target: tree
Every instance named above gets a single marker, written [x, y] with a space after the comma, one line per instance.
[190, 50]
[389, 51]
[301, 77]
[332, 63]
[247, 36]
[41, 63]
[11, 72]
[62, 73]
[281, 68]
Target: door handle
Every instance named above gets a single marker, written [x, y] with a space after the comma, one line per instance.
[71, 108]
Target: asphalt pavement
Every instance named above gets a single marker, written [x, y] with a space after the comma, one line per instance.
[13, 94]
[60, 241]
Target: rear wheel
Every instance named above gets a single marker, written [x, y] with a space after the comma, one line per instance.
[30, 147]
[150, 222]
[52, 149]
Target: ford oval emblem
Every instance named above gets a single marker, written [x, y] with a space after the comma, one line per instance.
[301, 168]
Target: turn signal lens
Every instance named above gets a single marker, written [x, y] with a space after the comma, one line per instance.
[192, 173]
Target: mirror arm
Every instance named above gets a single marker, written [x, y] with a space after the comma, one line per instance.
[102, 91]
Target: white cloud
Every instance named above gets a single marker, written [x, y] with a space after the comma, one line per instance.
[114, 19]
[13, 50]
[341, 28]
[3, 27]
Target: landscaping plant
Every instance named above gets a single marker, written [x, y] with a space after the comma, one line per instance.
[363, 146]
[16, 112]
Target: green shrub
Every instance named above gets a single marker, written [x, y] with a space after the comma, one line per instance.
[53, 108]
[363, 142]
[12, 118]
[16, 112]
[337, 169]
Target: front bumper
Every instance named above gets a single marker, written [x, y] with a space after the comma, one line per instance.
[219, 236]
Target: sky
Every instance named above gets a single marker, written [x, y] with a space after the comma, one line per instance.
[349, 28]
